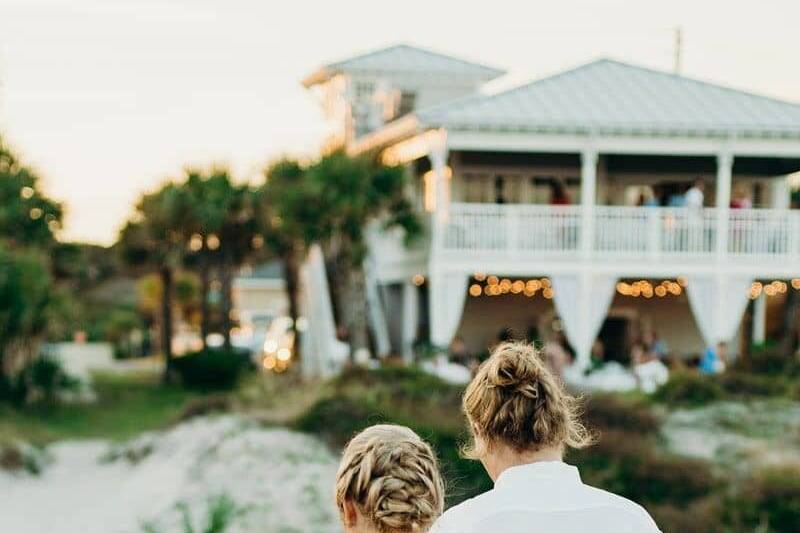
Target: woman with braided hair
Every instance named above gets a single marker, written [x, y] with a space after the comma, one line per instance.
[522, 421]
[388, 482]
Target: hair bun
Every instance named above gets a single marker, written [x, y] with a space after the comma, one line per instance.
[514, 370]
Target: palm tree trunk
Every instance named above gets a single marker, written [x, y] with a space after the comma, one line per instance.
[166, 320]
[226, 272]
[359, 338]
[291, 274]
[789, 326]
[205, 283]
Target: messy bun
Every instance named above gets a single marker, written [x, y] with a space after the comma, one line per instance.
[392, 476]
[516, 400]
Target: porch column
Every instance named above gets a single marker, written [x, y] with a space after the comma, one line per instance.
[410, 321]
[760, 319]
[588, 199]
[437, 154]
[724, 178]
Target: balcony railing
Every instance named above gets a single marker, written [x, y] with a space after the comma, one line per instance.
[619, 231]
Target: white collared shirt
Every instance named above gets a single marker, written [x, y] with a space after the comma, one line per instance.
[545, 497]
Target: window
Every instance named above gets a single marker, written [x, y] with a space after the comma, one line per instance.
[407, 101]
[364, 90]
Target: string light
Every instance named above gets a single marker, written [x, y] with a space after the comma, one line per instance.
[646, 289]
[475, 290]
[418, 279]
[495, 286]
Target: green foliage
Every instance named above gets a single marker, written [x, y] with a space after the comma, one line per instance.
[25, 303]
[769, 362]
[126, 406]
[610, 411]
[27, 217]
[690, 389]
[221, 510]
[211, 369]
[767, 502]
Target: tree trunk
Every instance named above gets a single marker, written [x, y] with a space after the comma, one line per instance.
[205, 283]
[789, 326]
[166, 320]
[291, 274]
[226, 272]
[357, 305]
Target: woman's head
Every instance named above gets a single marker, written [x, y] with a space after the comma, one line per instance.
[516, 403]
[389, 481]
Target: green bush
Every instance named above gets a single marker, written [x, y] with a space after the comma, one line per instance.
[610, 411]
[742, 385]
[768, 502]
[770, 362]
[211, 369]
[689, 389]
[39, 382]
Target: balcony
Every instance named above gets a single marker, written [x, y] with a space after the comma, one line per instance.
[637, 233]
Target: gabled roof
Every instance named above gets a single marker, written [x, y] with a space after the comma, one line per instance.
[403, 58]
[608, 96]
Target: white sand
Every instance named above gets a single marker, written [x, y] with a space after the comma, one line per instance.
[281, 480]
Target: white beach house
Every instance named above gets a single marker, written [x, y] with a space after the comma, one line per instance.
[558, 206]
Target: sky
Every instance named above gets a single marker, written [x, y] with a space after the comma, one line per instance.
[109, 98]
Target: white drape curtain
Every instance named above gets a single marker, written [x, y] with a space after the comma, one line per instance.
[323, 353]
[582, 302]
[410, 320]
[718, 304]
[448, 293]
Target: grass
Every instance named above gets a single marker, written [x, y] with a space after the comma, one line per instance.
[126, 406]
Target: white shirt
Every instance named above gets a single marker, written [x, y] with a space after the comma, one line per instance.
[694, 198]
[545, 497]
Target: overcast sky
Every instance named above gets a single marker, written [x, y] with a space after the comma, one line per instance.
[107, 98]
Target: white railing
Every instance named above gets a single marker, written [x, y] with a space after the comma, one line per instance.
[517, 229]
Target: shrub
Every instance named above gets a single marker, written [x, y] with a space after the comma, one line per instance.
[768, 502]
[689, 388]
[39, 382]
[770, 362]
[211, 369]
[610, 411]
[205, 405]
[742, 385]
[631, 465]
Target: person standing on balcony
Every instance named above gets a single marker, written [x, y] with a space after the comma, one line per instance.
[694, 200]
[695, 197]
[558, 193]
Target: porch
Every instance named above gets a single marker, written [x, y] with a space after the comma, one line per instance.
[520, 231]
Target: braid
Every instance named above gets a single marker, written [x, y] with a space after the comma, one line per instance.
[393, 477]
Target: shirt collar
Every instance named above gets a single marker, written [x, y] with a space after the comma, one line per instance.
[540, 470]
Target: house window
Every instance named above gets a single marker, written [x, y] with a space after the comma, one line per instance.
[407, 101]
[364, 90]
[500, 190]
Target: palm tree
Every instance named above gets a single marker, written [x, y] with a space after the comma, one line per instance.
[290, 219]
[352, 193]
[154, 240]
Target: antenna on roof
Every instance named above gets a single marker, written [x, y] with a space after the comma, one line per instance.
[678, 49]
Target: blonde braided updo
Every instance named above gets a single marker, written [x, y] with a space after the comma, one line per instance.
[516, 400]
[392, 476]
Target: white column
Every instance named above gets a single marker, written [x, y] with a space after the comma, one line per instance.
[588, 199]
[724, 178]
[760, 319]
[410, 321]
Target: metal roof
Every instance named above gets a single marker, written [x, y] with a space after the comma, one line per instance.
[403, 58]
[607, 96]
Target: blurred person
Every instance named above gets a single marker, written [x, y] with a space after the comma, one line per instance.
[556, 357]
[695, 196]
[522, 421]
[558, 193]
[741, 200]
[714, 359]
[388, 482]
[654, 344]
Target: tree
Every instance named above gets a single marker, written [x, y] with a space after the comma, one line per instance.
[154, 240]
[28, 219]
[351, 194]
[290, 219]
